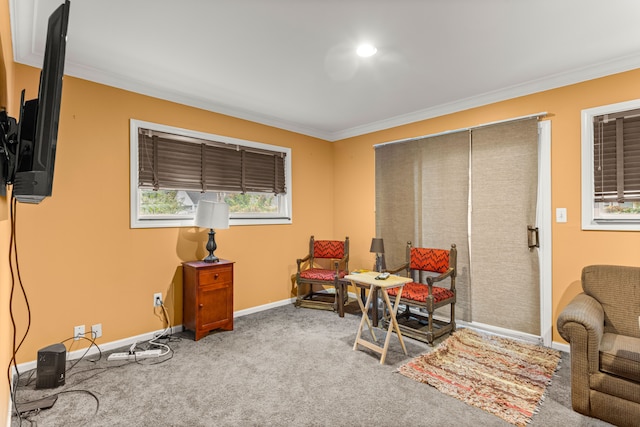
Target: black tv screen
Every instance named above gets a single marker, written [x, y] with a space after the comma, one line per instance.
[38, 138]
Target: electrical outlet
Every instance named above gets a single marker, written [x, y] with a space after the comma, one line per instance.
[78, 332]
[157, 299]
[96, 331]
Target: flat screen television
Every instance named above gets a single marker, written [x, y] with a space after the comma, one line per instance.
[38, 124]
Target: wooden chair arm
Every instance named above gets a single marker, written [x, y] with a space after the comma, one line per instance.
[336, 262]
[299, 261]
[404, 266]
[434, 279]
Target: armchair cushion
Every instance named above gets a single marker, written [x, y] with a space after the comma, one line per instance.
[620, 356]
[428, 259]
[328, 249]
[321, 274]
[419, 292]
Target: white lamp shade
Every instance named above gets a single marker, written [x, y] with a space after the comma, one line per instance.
[212, 215]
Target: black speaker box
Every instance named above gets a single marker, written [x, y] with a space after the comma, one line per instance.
[51, 369]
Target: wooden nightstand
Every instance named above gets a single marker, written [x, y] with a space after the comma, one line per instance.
[207, 301]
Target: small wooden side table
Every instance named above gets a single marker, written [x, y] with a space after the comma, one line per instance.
[207, 298]
[369, 278]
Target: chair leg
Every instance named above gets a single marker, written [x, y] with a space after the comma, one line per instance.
[430, 328]
[339, 299]
[453, 316]
[298, 297]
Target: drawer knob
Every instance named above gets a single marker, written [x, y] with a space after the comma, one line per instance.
[215, 276]
[201, 305]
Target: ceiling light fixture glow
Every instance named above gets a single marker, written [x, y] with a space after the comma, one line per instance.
[366, 50]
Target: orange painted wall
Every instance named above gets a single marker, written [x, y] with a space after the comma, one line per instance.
[572, 248]
[81, 263]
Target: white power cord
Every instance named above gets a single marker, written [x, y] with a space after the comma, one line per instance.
[168, 329]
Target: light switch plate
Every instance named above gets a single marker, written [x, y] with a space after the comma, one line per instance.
[561, 214]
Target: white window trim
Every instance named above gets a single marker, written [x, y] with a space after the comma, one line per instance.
[588, 221]
[164, 223]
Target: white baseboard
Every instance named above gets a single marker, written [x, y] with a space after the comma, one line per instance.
[263, 307]
[496, 330]
[510, 333]
[565, 348]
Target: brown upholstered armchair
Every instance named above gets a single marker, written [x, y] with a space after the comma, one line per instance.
[434, 285]
[324, 266]
[602, 327]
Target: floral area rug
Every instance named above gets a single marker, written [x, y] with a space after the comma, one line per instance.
[502, 376]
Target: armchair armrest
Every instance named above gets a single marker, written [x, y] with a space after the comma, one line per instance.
[299, 261]
[342, 261]
[404, 266]
[581, 323]
[434, 279]
[586, 312]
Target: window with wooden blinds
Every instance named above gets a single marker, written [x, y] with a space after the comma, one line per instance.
[173, 169]
[172, 162]
[616, 155]
[611, 167]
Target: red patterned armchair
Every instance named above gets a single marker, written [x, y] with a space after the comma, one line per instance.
[324, 266]
[420, 298]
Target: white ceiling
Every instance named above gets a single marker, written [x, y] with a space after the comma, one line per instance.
[292, 63]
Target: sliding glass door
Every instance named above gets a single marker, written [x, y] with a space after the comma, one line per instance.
[505, 289]
[475, 188]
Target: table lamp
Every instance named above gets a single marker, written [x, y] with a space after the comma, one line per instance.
[212, 215]
[377, 247]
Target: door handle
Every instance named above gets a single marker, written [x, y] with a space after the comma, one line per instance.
[533, 237]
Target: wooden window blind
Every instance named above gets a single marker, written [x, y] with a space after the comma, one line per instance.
[172, 162]
[616, 154]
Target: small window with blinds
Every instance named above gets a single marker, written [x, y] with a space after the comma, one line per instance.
[611, 167]
[172, 169]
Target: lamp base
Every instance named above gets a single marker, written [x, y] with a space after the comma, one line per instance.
[211, 247]
[211, 258]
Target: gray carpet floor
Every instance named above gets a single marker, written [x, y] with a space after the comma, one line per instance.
[281, 367]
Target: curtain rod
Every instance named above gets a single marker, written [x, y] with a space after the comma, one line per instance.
[446, 132]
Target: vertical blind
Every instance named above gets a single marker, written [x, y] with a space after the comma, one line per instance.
[504, 185]
[172, 162]
[422, 189]
[616, 155]
[477, 189]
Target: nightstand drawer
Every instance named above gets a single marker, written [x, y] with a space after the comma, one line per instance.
[215, 276]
